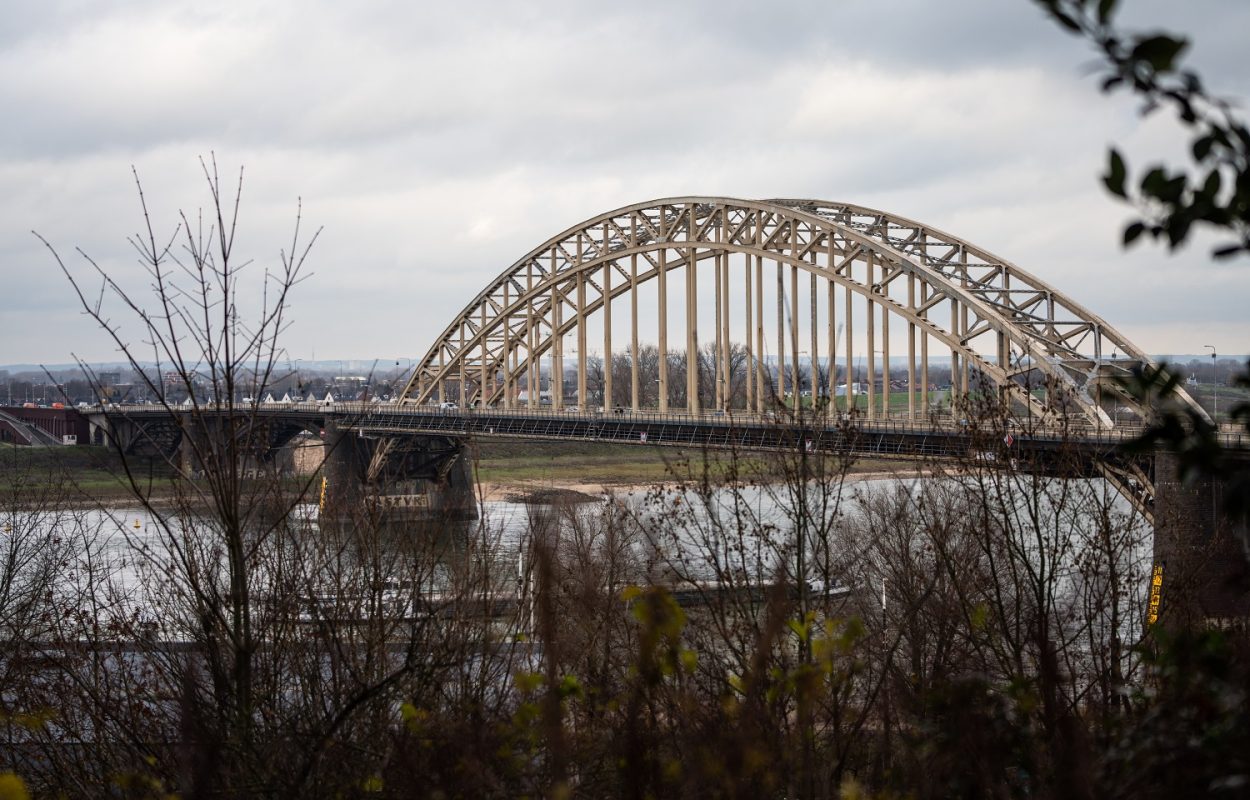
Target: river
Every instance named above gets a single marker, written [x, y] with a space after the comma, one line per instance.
[135, 557]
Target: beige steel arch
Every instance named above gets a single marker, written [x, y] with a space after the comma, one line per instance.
[1004, 322]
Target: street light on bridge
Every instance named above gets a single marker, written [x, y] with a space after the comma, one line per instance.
[1215, 379]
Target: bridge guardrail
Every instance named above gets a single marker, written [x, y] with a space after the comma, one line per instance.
[729, 419]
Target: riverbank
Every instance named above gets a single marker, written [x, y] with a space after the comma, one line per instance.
[583, 471]
[593, 491]
[505, 470]
[503, 464]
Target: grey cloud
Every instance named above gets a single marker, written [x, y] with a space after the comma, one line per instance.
[439, 142]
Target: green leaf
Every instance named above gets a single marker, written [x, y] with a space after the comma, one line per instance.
[1153, 182]
[689, 660]
[799, 629]
[1159, 51]
[1202, 147]
[1178, 229]
[1116, 173]
[1132, 231]
[1211, 187]
[12, 787]
[1112, 82]
[1065, 20]
[1105, 9]
[1173, 189]
[980, 616]
[527, 682]
[570, 686]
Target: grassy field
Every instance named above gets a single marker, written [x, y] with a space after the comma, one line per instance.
[555, 463]
[1229, 396]
[507, 462]
[83, 473]
[93, 472]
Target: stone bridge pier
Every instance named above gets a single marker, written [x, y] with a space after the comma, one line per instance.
[424, 476]
[1205, 568]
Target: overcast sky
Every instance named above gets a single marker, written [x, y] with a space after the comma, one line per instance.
[438, 142]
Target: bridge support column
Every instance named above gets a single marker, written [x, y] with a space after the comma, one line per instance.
[870, 331]
[662, 332]
[634, 387]
[761, 392]
[452, 497]
[692, 333]
[424, 477]
[342, 470]
[194, 445]
[98, 429]
[1206, 574]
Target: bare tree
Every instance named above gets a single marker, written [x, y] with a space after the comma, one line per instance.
[267, 650]
[595, 384]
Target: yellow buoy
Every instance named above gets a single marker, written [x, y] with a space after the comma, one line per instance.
[137, 525]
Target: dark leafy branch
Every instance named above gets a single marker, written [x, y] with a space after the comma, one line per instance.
[1215, 187]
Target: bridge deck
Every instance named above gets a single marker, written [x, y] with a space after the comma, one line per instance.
[1067, 452]
[936, 437]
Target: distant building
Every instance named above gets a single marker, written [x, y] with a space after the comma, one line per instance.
[173, 386]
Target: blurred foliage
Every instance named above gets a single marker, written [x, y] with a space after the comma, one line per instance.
[1213, 189]
[1188, 734]
[1188, 731]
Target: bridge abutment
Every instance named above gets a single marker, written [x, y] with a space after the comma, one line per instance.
[1205, 572]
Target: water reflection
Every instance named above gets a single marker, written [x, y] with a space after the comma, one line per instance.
[142, 561]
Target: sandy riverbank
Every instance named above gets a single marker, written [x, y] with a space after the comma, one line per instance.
[590, 491]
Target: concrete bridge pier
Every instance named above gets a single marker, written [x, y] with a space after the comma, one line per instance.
[1205, 571]
[452, 496]
[187, 461]
[424, 477]
[343, 469]
[196, 443]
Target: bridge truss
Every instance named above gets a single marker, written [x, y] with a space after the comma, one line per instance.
[897, 288]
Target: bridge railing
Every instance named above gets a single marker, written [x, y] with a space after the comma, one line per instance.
[371, 412]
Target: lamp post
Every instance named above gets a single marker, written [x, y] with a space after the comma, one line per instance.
[1215, 379]
[798, 390]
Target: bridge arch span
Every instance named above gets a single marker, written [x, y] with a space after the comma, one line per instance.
[869, 272]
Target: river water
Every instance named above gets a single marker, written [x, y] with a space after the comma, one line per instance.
[126, 552]
[129, 548]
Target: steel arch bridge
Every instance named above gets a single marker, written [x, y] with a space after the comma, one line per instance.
[880, 277]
